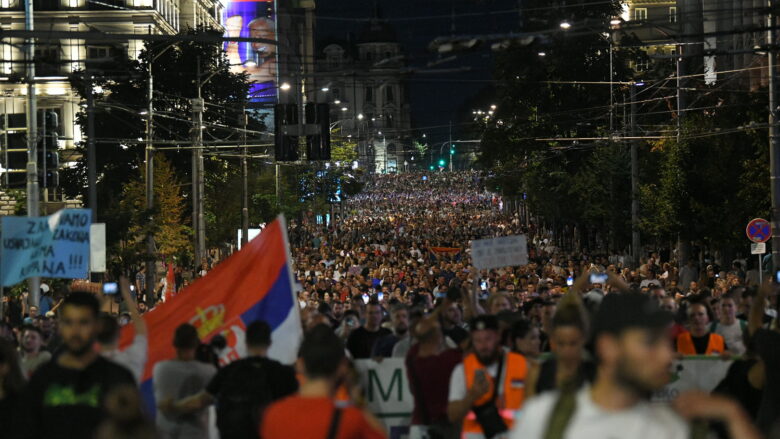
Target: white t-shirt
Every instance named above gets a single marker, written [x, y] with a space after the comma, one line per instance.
[732, 335]
[458, 381]
[643, 421]
[133, 358]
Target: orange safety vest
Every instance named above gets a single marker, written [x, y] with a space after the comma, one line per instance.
[511, 393]
[685, 346]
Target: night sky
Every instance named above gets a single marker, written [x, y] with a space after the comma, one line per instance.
[436, 98]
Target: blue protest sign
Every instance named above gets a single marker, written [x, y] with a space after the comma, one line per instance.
[49, 246]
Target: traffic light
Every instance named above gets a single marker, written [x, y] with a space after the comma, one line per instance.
[441, 162]
[431, 167]
[452, 149]
[48, 164]
[285, 145]
[318, 146]
[15, 165]
[48, 152]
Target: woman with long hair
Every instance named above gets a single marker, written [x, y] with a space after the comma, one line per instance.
[569, 366]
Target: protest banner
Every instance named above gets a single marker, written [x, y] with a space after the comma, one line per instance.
[50, 246]
[696, 372]
[386, 389]
[499, 252]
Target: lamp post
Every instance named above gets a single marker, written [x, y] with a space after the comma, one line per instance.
[149, 166]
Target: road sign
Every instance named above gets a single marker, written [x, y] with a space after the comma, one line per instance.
[758, 248]
[759, 230]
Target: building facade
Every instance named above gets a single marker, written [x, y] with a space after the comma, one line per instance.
[364, 83]
[708, 33]
[55, 59]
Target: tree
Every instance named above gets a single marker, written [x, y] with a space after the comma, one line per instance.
[171, 232]
[561, 94]
[120, 122]
[342, 149]
[714, 180]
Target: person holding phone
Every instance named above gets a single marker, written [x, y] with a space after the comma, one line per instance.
[135, 356]
[488, 387]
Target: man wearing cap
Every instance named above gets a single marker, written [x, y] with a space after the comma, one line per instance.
[634, 357]
[488, 387]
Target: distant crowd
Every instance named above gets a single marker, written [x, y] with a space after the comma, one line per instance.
[572, 345]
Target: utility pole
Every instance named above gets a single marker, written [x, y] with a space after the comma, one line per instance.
[151, 267]
[682, 246]
[197, 171]
[245, 191]
[450, 149]
[91, 159]
[34, 283]
[774, 138]
[635, 253]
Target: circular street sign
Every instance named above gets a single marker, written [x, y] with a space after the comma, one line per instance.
[759, 230]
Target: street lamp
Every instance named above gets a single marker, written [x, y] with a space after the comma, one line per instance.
[565, 25]
[285, 86]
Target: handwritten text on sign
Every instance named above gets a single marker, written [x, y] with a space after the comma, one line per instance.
[500, 252]
[51, 246]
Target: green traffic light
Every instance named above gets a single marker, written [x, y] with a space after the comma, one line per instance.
[431, 167]
[441, 162]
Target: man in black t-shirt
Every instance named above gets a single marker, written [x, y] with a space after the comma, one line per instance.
[65, 397]
[361, 341]
[243, 388]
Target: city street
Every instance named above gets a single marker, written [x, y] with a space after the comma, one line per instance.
[403, 219]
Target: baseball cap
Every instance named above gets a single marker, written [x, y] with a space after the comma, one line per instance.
[483, 322]
[621, 311]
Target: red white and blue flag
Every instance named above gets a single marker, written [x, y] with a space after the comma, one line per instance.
[255, 283]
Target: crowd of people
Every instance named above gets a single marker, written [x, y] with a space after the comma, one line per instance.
[569, 345]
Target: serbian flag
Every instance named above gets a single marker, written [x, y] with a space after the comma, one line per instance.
[255, 283]
[449, 250]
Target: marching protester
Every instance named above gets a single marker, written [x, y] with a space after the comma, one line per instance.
[634, 358]
[393, 278]
[313, 413]
[65, 397]
[484, 389]
[30, 351]
[132, 357]
[429, 364]
[699, 340]
[399, 320]
[178, 378]
[12, 382]
[361, 340]
[242, 389]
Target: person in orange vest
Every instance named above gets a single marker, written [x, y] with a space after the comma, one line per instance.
[488, 387]
[699, 340]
